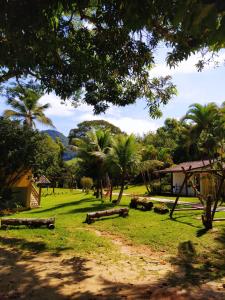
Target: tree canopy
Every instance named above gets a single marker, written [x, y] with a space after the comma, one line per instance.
[85, 126]
[19, 147]
[105, 49]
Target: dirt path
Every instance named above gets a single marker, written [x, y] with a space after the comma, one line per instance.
[137, 273]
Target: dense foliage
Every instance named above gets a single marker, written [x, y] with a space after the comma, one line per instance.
[19, 148]
[105, 49]
[85, 126]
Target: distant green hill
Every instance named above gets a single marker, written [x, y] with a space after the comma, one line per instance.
[68, 154]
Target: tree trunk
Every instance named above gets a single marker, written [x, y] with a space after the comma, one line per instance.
[101, 189]
[111, 190]
[218, 195]
[145, 182]
[97, 189]
[207, 218]
[121, 190]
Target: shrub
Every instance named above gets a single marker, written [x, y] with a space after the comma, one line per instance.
[161, 209]
[86, 183]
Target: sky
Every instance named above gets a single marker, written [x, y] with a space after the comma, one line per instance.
[193, 86]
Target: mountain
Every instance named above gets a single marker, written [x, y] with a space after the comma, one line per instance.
[68, 154]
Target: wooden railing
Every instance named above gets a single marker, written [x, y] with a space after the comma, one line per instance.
[35, 196]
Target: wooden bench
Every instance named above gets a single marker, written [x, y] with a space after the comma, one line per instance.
[123, 212]
[32, 222]
[145, 205]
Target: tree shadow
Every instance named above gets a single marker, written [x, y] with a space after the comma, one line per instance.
[201, 232]
[177, 219]
[190, 279]
[26, 275]
[23, 244]
[91, 208]
[67, 204]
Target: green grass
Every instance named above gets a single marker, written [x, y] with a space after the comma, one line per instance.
[71, 234]
[141, 190]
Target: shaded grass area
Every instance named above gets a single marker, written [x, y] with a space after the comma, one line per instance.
[197, 256]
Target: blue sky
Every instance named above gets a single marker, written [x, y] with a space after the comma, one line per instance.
[202, 87]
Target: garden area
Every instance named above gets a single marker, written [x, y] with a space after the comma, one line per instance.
[112, 176]
[145, 254]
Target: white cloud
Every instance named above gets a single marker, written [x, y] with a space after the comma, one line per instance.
[62, 108]
[186, 67]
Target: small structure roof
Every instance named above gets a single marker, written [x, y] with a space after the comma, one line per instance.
[199, 164]
[43, 180]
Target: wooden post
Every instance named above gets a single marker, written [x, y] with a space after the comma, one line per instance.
[186, 188]
[111, 190]
[160, 183]
[187, 176]
[171, 191]
[39, 200]
[218, 194]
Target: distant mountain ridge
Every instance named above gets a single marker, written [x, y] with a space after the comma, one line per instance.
[68, 154]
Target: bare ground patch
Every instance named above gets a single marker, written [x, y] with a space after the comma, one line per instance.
[137, 273]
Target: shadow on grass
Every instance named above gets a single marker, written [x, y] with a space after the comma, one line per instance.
[67, 204]
[94, 207]
[201, 232]
[23, 244]
[177, 219]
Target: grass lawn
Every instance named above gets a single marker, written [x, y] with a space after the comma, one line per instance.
[71, 234]
[141, 190]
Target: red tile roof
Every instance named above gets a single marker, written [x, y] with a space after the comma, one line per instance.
[199, 164]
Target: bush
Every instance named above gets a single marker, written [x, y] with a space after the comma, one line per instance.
[161, 209]
[86, 183]
[155, 187]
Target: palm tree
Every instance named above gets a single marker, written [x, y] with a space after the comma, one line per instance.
[93, 149]
[24, 102]
[203, 120]
[201, 116]
[123, 157]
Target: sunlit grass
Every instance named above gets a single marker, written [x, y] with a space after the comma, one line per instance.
[71, 234]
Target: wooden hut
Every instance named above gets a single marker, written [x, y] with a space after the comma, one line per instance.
[42, 182]
[204, 180]
[25, 192]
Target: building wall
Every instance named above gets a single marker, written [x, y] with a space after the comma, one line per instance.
[178, 179]
[22, 189]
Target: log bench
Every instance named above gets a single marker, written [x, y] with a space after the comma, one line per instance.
[122, 212]
[31, 222]
[145, 205]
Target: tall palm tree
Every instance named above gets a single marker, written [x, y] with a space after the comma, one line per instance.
[203, 120]
[123, 157]
[201, 116]
[93, 149]
[24, 102]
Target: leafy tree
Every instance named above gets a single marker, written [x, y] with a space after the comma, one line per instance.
[105, 48]
[19, 148]
[48, 160]
[93, 150]
[84, 127]
[207, 129]
[24, 101]
[123, 157]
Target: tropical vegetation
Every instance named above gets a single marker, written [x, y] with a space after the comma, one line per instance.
[24, 102]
